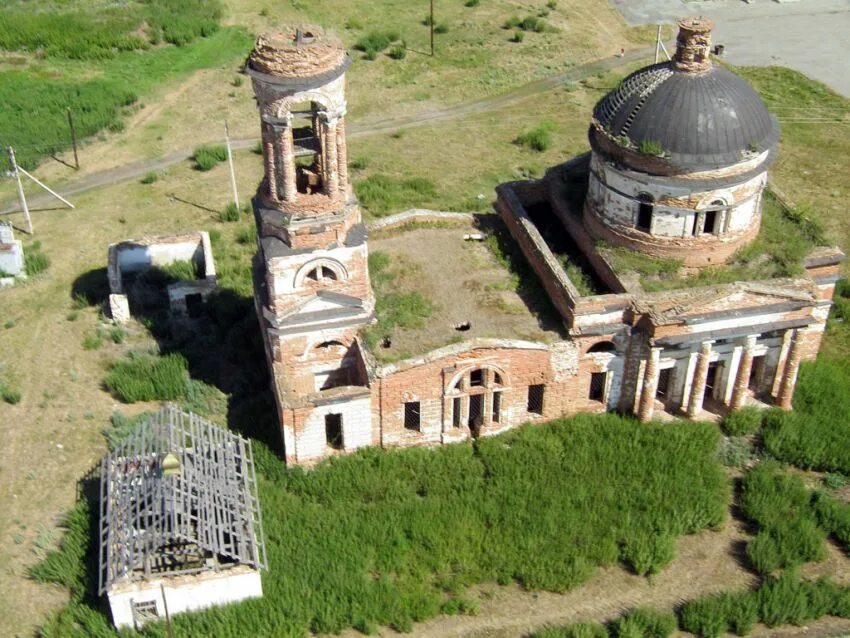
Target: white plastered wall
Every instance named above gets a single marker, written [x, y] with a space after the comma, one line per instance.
[184, 593]
[311, 442]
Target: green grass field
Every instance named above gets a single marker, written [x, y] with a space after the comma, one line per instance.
[393, 538]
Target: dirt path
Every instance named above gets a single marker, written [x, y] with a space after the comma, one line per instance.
[135, 170]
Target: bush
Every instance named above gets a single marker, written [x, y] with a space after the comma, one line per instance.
[398, 52]
[9, 394]
[519, 36]
[230, 213]
[711, 616]
[149, 378]
[779, 503]
[651, 147]
[35, 261]
[92, 341]
[741, 422]
[644, 623]
[538, 138]
[472, 3]
[511, 23]
[441, 28]
[207, 157]
[648, 553]
[247, 235]
[149, 178]
[833, 516]
[122, 427]
[816, 434]
[735, 451]
[376, 41]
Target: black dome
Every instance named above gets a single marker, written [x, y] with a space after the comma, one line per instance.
[701, 120]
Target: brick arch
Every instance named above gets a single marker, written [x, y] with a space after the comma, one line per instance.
[334, 107]
[337, 267]
[604, 345]
[455, 380]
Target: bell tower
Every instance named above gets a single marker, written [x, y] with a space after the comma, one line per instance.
[311, 277]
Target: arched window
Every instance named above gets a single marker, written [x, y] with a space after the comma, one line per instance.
[320, 273]
[711, 220]
[330, 344]
[646, 204]
[474, 399]
[602, 346]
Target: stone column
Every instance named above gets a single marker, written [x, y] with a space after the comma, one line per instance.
[789, 376]
[342, 153]
[700, 377]
[650, 385]
[320, 141]
[329, 161]
[287, 159]
[742, 379]
[269, 159]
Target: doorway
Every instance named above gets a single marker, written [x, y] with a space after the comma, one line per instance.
[476, 414]
[712, 380]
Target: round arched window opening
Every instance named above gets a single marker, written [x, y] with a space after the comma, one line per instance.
[602, 346]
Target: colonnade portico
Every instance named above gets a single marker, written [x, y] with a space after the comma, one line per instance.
[732, 363]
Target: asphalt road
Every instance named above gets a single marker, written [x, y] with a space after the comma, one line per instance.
[811, 36]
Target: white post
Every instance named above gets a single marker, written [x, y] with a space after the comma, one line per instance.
[230, 165]
[21, 197]
[657, 43]
[48, 189]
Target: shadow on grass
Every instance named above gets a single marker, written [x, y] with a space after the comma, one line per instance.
[223, 348]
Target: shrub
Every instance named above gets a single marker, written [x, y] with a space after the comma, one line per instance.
[180, 270]
[552, 5]
[376, 41]
[519, 36]
[816, 434]
[785, 599]
[651, 147]
[149, 178]
[648, 553]
[117, 334]
[230, 213]
[835, 480]
[779, 503]
[206, 157]
[9, 394]
[511, 23]
[833, 516]
[35, 261]
[398, 52]
[741, 422]
[735, 451]
[122, 427]
[713, 615]
[441, 28]
[644, 623]
[247, 234]
[149, 378]
[538, 138]
[472, 3]
[92, 341]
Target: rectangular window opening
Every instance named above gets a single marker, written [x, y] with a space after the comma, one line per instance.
[476, 378]
[412, 416]
[497, 406]
[665, 376]
[456, 408]
[333, 431]
[597, 386]
[145, 610]
[535, 398]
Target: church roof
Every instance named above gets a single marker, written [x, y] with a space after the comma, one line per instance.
[701, 120]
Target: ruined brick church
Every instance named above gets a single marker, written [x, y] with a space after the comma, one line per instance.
[677, 169]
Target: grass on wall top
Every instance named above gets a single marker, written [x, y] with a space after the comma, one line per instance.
[395, 537]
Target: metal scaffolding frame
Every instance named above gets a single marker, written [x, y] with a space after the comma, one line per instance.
[178, 496]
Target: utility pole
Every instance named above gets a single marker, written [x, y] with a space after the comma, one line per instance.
[21, 197]
[73, 138]
[432, 28]
[230, 165]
